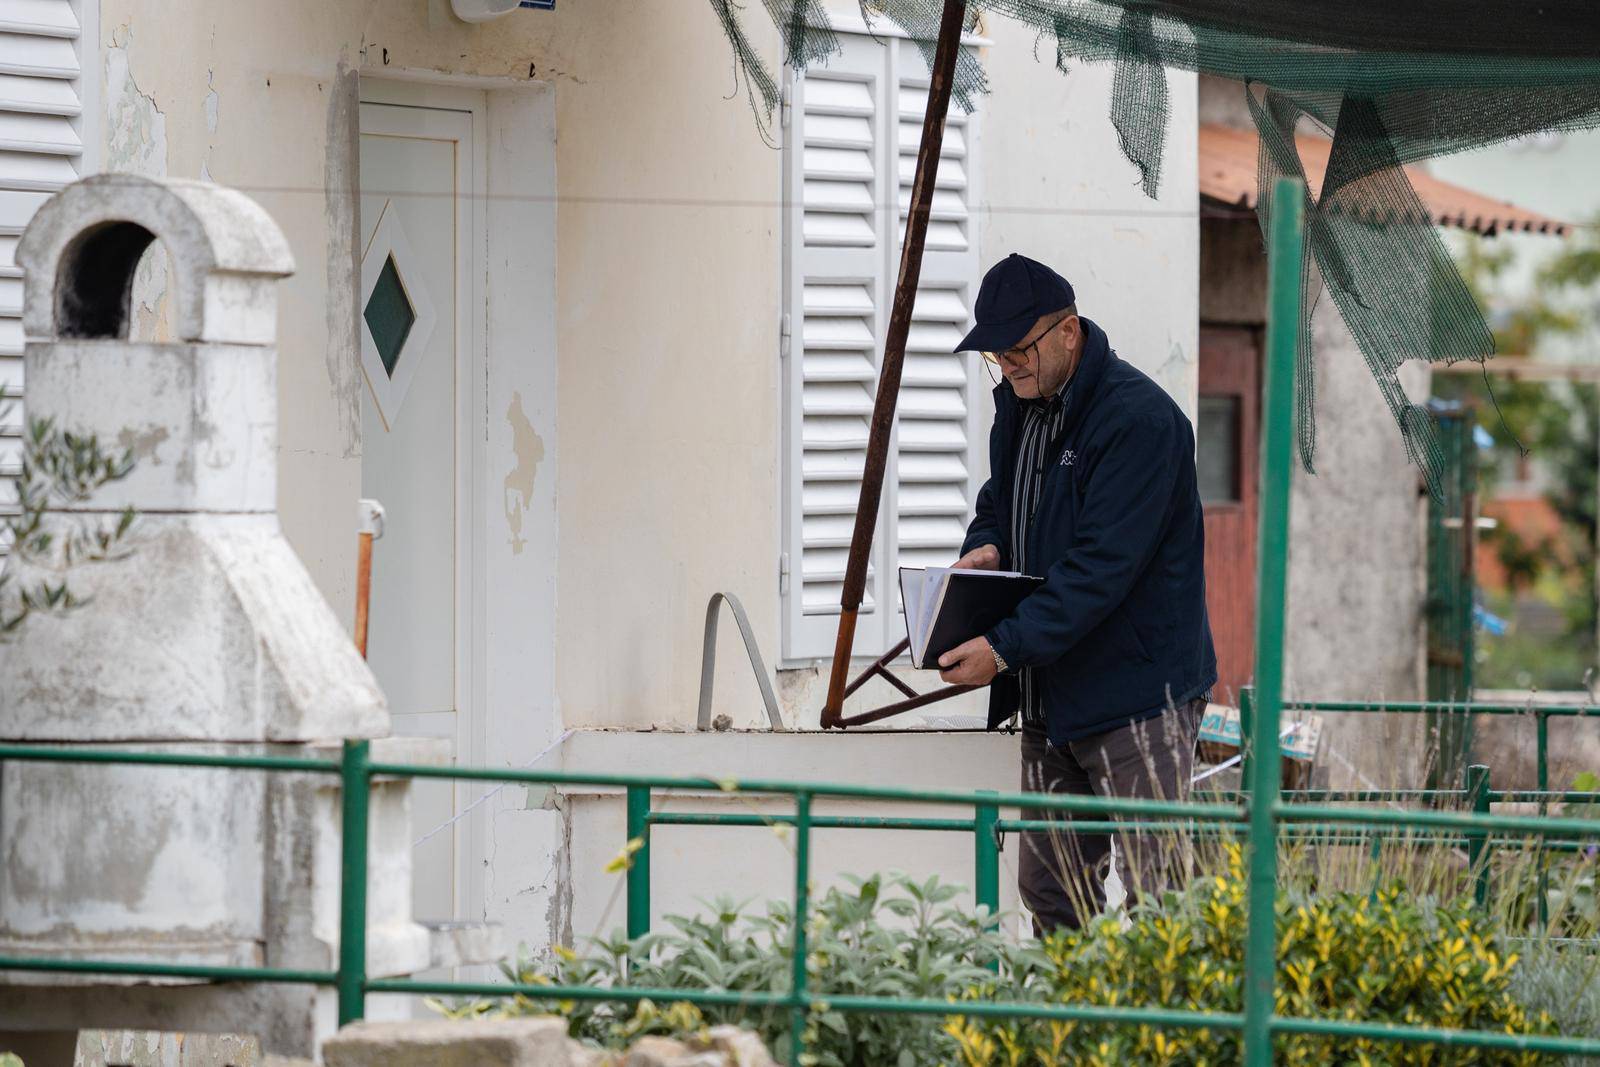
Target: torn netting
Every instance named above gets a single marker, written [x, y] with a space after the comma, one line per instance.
[1394, 82]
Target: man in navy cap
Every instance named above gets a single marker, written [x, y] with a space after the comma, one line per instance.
[1110, 662]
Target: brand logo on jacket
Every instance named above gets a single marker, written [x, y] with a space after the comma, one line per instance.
[1068, 457]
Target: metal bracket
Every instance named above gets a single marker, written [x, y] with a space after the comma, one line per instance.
[370, 518]
[914, 699]
[708, 661]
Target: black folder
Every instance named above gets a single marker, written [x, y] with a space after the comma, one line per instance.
[945, 607]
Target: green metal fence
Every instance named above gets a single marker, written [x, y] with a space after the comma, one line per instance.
[1452, 582]
[1260, 812]
[1309, 815]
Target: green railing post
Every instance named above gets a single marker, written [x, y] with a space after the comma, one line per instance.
[800, 1008]
[1284, 267]
[1478, 840]
[1542, 742]
[986, 862]
[1247, 708]
[1542, 769]
[639, 862]
[355, 785]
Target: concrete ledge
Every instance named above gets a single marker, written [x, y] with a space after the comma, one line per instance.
[906, 759]
[453, 943]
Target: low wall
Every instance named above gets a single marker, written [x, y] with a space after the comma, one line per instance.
[695, 864]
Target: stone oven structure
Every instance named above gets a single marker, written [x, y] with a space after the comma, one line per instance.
[206, 635]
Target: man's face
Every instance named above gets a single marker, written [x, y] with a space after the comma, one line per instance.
[1045, 357]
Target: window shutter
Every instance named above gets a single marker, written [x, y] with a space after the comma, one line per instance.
[837, 184]
[40, 151]
[939, 392]
[851, 149]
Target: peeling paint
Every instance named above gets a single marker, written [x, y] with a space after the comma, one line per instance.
[528, 447]
[558, 915]
[342, 182]
[137, 144]
[212, 102]
[143, 443]
[210, 106]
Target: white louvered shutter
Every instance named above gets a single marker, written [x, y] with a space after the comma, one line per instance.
[41, 150]
[939, 394]
[850, 153]
[837, 187]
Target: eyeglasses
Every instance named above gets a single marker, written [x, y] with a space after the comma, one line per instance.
[1020, 355]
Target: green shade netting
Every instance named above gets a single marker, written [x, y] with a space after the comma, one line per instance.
[1393, 81]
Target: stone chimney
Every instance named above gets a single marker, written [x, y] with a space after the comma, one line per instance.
[208, 636]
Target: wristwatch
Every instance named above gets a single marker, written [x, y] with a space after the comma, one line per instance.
[999, 663]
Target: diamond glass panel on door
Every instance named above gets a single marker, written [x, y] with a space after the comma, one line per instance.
[389, 315]
[396, 309]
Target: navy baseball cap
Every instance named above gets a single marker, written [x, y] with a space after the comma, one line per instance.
[1014, 295]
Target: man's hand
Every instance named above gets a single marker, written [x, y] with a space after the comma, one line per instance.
[982, 558]
[971, 663]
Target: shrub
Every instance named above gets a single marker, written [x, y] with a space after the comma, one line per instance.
[1383, 956]
[1562, 981]
[1380, 955]
[888, 936]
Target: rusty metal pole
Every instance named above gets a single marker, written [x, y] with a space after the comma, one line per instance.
[894, 350]
[371, 513]
[363, 589]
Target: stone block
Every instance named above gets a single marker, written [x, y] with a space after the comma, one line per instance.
[742, 1048]
[201, 420]
[174, 877]
[225, 250]
[220, 635]
[133, 1048]
[536, 1042]
[666, 1052]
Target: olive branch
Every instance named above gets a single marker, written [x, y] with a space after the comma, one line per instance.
[59, 468]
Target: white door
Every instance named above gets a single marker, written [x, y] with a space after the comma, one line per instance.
[417, 301]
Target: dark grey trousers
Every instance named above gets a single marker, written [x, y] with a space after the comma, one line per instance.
[1061, 873]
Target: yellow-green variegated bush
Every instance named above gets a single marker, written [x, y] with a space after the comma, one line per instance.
[1384, 956]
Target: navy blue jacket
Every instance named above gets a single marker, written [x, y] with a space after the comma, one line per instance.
[1119, 628]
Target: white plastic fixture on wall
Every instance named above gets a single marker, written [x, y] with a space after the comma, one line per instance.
[482, 10]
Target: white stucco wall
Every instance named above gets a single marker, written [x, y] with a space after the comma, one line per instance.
[1057, 188]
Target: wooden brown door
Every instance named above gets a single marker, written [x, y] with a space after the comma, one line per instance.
[1226, 453]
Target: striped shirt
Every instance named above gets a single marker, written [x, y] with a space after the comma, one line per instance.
[1041, 425]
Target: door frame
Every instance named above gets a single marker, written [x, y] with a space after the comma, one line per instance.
[445, 113]
[1230, 365]
[513, 661]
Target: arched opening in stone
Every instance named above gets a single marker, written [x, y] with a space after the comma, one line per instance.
[94, 286]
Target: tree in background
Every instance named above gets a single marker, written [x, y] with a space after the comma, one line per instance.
[1553, 429]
